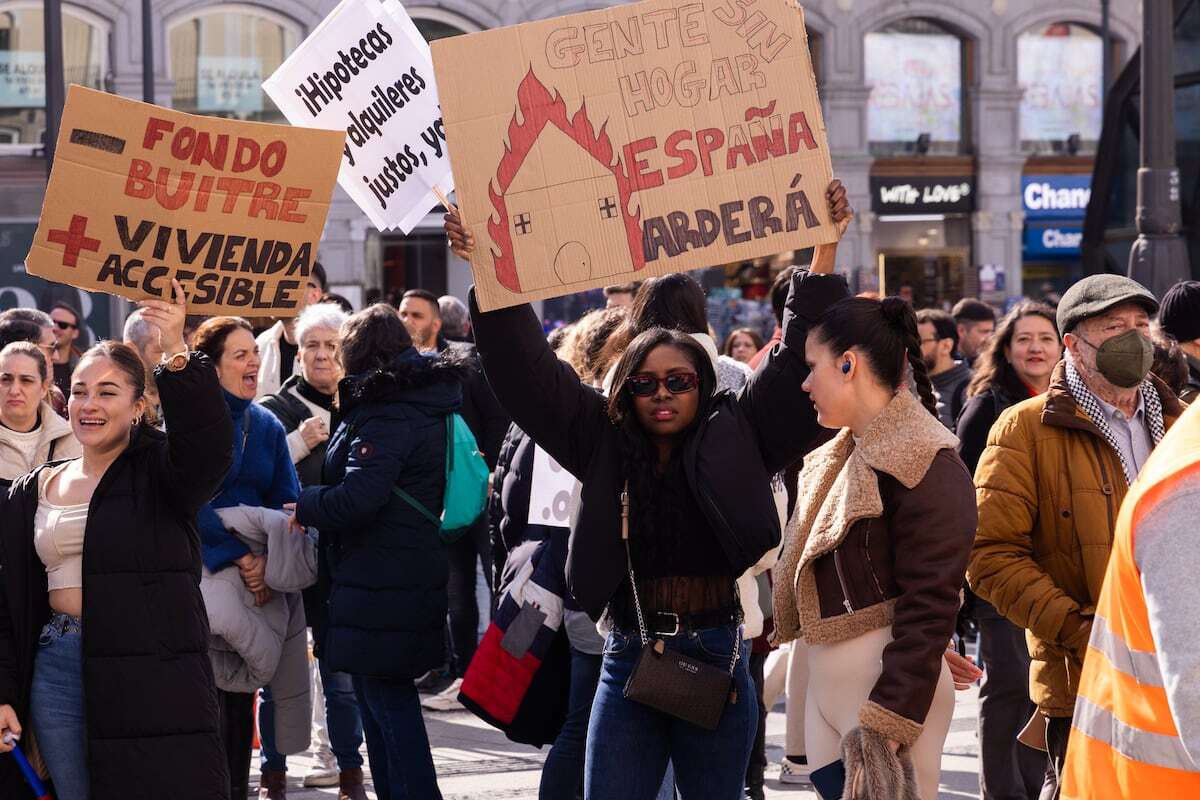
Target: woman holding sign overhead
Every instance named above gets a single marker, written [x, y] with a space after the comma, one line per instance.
[676, 504]
[132, 703]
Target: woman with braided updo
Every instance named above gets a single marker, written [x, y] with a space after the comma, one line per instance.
[876, 553]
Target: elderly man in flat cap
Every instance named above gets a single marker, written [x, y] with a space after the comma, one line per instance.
[1050, 484]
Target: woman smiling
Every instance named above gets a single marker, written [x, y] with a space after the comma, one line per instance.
[262, 476]
[109, 540]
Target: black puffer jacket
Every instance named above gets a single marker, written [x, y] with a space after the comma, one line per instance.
[151, 703]
[387, 608]
[728, 461]
[291, 410]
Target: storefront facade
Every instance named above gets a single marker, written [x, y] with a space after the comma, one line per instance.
[926, 90]
[1055, 205]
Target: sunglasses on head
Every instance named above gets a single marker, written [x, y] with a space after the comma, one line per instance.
[644, 384]
[64, 326]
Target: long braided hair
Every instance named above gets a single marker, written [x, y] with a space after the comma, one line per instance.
[658, 494]
[885, 332]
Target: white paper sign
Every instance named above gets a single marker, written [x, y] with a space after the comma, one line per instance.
[550, 492]
[367, 70]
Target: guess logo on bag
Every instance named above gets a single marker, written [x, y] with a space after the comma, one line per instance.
[686, 667]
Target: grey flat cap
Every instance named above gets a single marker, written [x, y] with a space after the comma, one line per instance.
[1096, 294]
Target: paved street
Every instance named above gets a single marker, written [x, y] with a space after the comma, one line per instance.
[475, 762]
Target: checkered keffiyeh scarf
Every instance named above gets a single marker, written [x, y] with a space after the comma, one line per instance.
[1091, 406]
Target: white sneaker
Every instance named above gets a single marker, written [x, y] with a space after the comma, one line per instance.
[794, 771]
[323, 773]
[447, 700]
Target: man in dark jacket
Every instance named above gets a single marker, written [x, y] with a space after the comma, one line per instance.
[421, 314]
[950, 378]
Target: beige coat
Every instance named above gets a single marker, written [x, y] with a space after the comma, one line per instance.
[55, 443]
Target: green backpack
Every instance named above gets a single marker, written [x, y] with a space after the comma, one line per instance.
[466, 483]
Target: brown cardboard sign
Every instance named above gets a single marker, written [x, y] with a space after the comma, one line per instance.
[613, 145]
[141, 194]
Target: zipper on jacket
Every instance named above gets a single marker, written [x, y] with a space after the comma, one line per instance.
[837, 566]
[867, 556]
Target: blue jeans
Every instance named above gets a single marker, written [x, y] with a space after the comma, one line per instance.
[56, 709]
[563, 773]
[342, 721]
[397, 745]
[629, 744]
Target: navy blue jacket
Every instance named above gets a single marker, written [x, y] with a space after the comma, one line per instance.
[387, 609]
[262, 476]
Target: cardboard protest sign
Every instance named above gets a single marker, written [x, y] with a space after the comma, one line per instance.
[550, 491]
[639, 140]
[366, 69]
[141, 194]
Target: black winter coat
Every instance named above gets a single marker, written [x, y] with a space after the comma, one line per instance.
[976, 420]
[728, 460]
[151, 703]
[387, 609]
[290, 410]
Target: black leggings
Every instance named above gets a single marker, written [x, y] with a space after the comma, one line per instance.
[464, 554]
[237, 736]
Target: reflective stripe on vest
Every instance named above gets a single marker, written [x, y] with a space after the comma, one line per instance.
[1156, 749]
[1125, 744]
[1140, 665]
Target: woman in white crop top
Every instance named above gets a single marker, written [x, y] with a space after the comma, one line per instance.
[30, 432]
[108, 540]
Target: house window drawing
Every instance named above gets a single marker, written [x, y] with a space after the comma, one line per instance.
[586, 226]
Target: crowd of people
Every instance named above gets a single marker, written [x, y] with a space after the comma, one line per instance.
[824, 514]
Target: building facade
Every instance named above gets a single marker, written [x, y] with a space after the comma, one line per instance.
[958, 126]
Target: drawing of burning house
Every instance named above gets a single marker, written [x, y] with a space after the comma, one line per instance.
[573, 224]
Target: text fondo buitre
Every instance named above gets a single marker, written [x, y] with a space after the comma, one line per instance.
[320, 90]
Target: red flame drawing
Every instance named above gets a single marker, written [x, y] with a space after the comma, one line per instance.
[537, 108]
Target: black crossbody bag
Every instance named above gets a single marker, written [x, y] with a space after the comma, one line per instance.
[671, 682]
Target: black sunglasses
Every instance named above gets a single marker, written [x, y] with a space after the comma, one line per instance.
[64, 326]
[644, 384]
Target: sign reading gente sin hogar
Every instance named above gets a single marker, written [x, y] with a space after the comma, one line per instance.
[639, 140]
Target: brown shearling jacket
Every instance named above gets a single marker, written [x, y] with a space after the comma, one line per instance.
[880, 538]
[1049, 488]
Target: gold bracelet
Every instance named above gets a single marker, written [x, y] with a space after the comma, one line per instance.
[176, 362]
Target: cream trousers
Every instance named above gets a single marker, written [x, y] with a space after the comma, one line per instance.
[840, 680]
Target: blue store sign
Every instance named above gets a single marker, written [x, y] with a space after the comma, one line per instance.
[1055, 196]
[1052, 241]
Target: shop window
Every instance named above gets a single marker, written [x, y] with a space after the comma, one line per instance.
[916, 71]
[219, 58]
[1059, 68]
[23, 65]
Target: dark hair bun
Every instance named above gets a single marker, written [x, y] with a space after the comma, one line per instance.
[895, 311]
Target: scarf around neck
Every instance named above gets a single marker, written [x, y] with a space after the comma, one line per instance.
[1087, 401]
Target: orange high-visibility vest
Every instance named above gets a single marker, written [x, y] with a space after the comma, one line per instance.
[1124, 743]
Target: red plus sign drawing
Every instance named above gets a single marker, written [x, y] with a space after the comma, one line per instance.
[73, 240]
